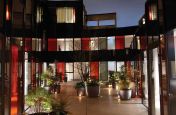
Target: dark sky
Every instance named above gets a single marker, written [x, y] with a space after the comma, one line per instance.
[128, 11]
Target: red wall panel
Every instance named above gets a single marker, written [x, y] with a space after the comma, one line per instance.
[120, 42]
[94, 70]
[85, 43]
[52, 44]
[28, 44]
[61, 68]
[143, 42]
[14, 80]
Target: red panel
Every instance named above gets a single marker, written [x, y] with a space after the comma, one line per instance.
[28, 44]
[94, 70]
[14, 80]
[61, 68]
[120, 42]
[143, 42]
[52, 44]
[85, 43]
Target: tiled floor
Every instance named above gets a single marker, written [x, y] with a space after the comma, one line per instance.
[106, 104]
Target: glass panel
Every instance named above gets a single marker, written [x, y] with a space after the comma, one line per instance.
[92, 23]
[69, 67]
[106, 22]
[68, 44]
[102, 43]
[33, 44]
[60, 45]
[152, 12]
[94, 44]
[155, 76]
[172, 71]
[103, 71]
[145, 81]
[69, 76]
[119, 64]
[128, 40]
[65, 15]
[77, 72]
[111, 42]
[39, 15]
[77, 43]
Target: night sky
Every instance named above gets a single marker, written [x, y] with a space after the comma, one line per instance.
[128, 11]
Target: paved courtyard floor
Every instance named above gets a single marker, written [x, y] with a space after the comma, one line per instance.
[107, 103]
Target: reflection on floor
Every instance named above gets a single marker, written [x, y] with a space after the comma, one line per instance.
[106, 104]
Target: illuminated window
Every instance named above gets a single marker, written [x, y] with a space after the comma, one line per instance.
[65, 15]
[7, 13]
[152, 12]
[60, 45]
[77, 43]
[111, 42]
[128, 40]
[143, 20]
[69, 44]
[39, 15]
[93, 44]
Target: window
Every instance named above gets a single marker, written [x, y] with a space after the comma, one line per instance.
[77, 43]
[65, 15]
[128, 40]
[69, 44]
[94, 43]
[39, 15]
[152, 12]
[111, 42]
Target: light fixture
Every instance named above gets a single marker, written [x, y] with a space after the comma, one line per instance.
[7, 13]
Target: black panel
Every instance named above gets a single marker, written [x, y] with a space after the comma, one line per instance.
[86, 56]
[170, 17]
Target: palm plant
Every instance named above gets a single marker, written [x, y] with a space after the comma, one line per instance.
[39, 100]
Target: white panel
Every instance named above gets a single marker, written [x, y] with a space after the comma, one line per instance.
[155, 76]
[94, 43]
[77, 43]
[60, 45]
[128, 40]
[111, 42]
[119, 64]
[68, 44]
[111, 66]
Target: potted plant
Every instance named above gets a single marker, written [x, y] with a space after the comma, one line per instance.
[80, 88]
[60, 105]
[124, 83]
[51, 82]
[113, 79]
[39, 101]
[93, 88]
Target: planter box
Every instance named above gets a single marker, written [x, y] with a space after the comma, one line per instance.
[80, 91]
[93, 91]
[125, 94]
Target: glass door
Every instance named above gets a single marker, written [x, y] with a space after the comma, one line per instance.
[171, 55]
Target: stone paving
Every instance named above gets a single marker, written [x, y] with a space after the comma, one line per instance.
[107, 103]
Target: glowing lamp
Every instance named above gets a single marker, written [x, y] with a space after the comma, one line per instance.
[7, 13]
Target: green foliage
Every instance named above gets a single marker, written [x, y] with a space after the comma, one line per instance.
[123, 78]
[80, 85]
[39, 99]
[60, 103]
[93, 82]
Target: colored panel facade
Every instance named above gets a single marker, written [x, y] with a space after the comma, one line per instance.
[119, 42]
[52, 44]
[28, 44]
[85, 44]
[61, 69]
[14, 81]
[94, 70]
